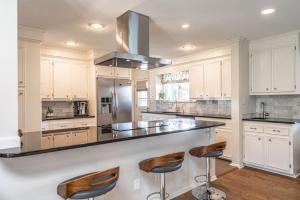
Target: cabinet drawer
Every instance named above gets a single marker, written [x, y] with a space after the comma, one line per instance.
[277, 130]
[45, 126]
[254, 128]
[62, 126]
[83, 124]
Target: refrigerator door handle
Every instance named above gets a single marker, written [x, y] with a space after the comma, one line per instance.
[113, 105]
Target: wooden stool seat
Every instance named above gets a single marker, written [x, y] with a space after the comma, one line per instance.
[89, 185]
[163, 164]
[210, 151]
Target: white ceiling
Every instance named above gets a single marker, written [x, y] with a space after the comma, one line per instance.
[213, 22]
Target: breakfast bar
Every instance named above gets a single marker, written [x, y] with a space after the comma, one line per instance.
[124, 146]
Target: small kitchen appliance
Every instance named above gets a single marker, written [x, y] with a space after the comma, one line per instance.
[80, 108]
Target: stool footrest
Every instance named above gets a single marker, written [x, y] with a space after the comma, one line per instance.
[196, 179]
[155, 193]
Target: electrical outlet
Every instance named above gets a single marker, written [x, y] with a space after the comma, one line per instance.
[136, 184]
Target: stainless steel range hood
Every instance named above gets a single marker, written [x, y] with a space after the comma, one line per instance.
[132, 44]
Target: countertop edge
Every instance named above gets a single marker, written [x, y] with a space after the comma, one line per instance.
[272, 121]
[17, 155]
[188, 115]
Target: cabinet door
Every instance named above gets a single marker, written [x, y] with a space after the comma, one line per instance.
[21, 109]
[212, 79]
[254, 149]
[196, 81]
[225, 135]
[284, 69]
[79, 137]
[47, 142]
[46, 76]
[278, 153]
[61, 80]
[61, 140]
[261, 71]
[122, 72]
[152, 85]
[21, 66]
[92, 136]
[104, 71]
[226, 78]
[79, 81]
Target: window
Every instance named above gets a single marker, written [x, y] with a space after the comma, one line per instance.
[142, 93]
[175, 86]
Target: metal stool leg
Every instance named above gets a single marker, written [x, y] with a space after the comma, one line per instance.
[162, 186]
[91, 198]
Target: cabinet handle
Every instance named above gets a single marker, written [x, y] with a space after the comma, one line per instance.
[20, 93]
[270, 140]
[275, 88]
[252, 128]
[21, 82]
[259, 139]
[224, 95]
[267, 89]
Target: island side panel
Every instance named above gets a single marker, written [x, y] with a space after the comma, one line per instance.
[36, 177]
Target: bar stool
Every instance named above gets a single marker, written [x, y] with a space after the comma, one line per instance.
[211, 151]
[162, 165]
[90, 185]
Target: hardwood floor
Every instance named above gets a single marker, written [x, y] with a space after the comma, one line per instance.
[252, 184]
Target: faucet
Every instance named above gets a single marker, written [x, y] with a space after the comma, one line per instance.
[264, 113]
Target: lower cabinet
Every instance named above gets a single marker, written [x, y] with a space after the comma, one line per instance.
[62, 139]
[269, 146]
[79, 137]
[47, 141]
[254, 149]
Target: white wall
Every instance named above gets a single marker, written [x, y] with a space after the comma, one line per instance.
[8, 72]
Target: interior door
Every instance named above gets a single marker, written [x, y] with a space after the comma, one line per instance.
[278, 152]
[284, 69]
[261, 71]
[123, 97]
[254, 149]
[105, 90]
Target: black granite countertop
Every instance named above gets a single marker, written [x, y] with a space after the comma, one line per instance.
[66, 117]
[179, 114]
[273, 120]
[120, 132]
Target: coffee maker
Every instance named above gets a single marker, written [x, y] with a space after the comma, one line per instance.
[80, 108]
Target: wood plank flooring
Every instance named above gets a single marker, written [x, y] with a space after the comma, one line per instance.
[252, 184]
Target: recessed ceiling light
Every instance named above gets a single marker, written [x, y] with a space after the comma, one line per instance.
[268, 11]
[71, 43]
[185, 26]
[96, 26]
[188, 47]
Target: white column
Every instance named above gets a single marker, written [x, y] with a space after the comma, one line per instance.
[241, 101]
[8, 73]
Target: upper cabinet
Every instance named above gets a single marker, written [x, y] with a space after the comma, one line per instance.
[274, 66]
[63, 79]
[210, 79]
[113, 72]
[21, 66]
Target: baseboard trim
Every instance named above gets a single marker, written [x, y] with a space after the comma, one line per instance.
[239, 166]
[9, 142]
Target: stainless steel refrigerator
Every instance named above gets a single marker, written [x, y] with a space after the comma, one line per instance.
[114, 101]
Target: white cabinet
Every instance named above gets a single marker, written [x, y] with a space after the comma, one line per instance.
[278, 150]
[21, 66]
[226, 78]
[68, 123]
[212, 79]
[113, 72]
[261, 71]
[47, 141]
[152, 85]
[274, 65]
[61, 80]
[269, 146]
[21, 109]
[79, 81]
[62, 139]
[254, 148]
[124, 73]
[196, 81]
[79, 137]
[46, 78]
[284, 69]
[104, 71]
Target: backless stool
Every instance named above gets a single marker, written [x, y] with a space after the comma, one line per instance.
[206, 192]
[162, 165]
[90, 185]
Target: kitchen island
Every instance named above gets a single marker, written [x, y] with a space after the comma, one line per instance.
[38, 169]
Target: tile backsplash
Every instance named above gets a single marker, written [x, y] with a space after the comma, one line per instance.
[60, 108]
[287, 106]
[222, 107]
